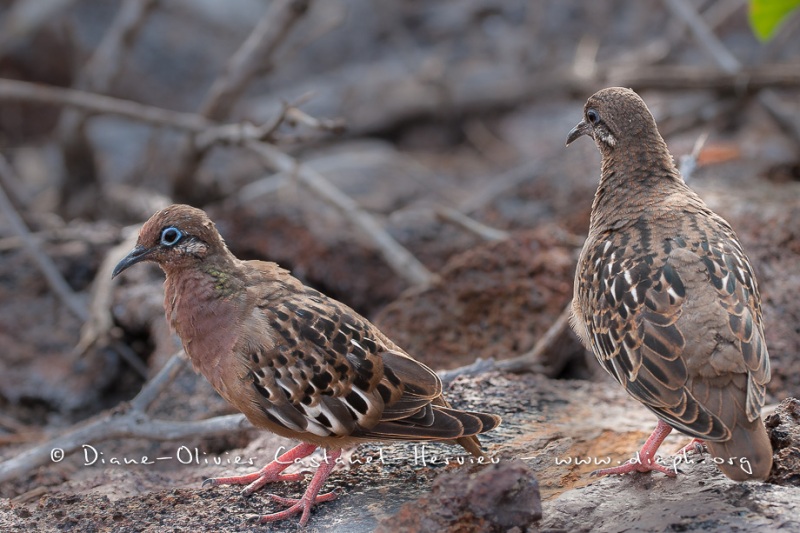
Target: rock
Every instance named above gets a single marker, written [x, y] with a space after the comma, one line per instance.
[783, 427]
[495, 300]
[550, 429]
[496, 498]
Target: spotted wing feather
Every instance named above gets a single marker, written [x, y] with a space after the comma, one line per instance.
[635, 301]
[333, 374]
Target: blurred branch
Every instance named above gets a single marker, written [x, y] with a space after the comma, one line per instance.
[688, 163]
[294, 115]
[254, 57]
[516, 89]
[398, 257]
[786, 118]
[480, 366]
[21, 91]
[105, 63]
[12, 185]
[498, 185]
[99, 322]
[447, 214]
[97, 75]
[99, 72]
[704, 35]
[678, 77]
[535, 360]
[153, 388]
[238, 134]
[54, 278]
[126, 421]
[766, 96]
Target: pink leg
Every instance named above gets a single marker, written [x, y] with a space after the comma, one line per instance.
[645, 458]
[309, 498]
[268, 474]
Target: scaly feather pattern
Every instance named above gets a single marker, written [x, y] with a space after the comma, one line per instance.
[294, 361]
[665, 296]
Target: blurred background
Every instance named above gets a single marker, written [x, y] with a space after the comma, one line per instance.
[404, 157]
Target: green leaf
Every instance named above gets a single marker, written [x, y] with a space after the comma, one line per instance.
[767, 15]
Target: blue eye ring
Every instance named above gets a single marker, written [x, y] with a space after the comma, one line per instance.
[170, 236]
[593, 116]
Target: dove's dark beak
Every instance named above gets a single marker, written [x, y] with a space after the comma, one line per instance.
[136, 255]
[583, 128]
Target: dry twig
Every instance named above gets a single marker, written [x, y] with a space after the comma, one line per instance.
[256, 56]
[480, 366]
[21, 91]
[534, 360]
[786, 119]
[395, 254]
[688, 163]
[666, 77]
[54, 278]
[99, 321]
[126, 421]
[457, 218]
[728, 62]
[398, 257]
[107, 59]
[704, 35]
[498, 185]
[97, 75]
[12, 185]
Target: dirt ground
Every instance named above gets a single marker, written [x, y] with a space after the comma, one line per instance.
[462, 105]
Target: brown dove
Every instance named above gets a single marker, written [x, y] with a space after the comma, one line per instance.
[666, 298]
[294, 361]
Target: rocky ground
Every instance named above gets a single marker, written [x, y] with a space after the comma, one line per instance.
[534, 484]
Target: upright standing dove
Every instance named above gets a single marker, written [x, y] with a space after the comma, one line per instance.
[667, 299]
[291, 359]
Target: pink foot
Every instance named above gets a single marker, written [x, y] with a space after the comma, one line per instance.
[645, 460]
[310, 497]
[269, 474]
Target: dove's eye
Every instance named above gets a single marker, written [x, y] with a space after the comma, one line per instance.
[170, 236]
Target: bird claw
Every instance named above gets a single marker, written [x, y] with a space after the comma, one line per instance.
[296, 505]
[254, 481]
[695, 446]
[320, 498]
[635, 465]
[263, 480]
